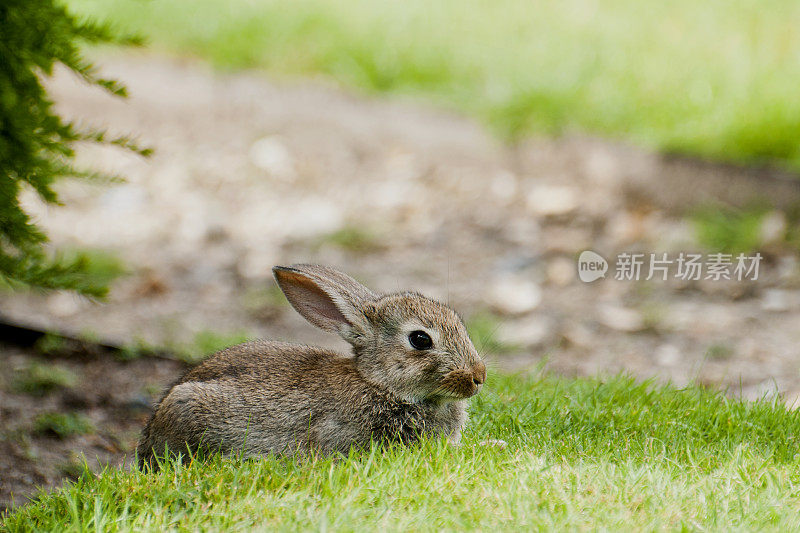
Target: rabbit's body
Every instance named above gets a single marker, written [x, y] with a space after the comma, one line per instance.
[270, 397]
[230, 391]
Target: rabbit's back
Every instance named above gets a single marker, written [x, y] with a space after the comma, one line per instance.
[262, 397]
[256, 397]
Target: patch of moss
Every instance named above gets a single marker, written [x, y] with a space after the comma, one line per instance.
[39, 379]
[352, 239]
[62, 425]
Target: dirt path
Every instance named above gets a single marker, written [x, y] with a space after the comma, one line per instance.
[249, 173]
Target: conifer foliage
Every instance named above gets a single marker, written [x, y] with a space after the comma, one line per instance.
[36, 145]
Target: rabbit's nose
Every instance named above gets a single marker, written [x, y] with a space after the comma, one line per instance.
[479, 373]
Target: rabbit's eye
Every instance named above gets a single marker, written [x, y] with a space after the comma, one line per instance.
[420, 340]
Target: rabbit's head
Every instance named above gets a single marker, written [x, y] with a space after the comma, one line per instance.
[406, 343]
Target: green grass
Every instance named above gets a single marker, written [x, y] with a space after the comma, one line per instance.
[716, 78]
[729, 230]
[62, 425]
[39, 379]
[207, 342]
[204, 343]
[582, 454]
[353, 239]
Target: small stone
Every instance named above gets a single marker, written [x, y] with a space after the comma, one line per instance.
[257, 263]
[602, 166]
[513, 296]
[523, 232]
[779, 300]
[504, 186]
[621, 318]
[675, 236]
[402, 166]
[311, 217]
[393, 194]
[526, 332]
[773, 227]
[124, 198]
[626, 227]
[271, 155]
[63, 303]
[668, 355]
[788, 268]
[552, 200]
[566, 240]
[561, 271]
[579, 335]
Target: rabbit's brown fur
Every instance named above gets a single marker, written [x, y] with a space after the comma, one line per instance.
[271, 397]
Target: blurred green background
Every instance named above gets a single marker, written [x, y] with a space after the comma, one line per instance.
[718, 78]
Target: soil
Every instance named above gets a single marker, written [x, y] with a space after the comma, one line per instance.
[113, 396]
[251, 172]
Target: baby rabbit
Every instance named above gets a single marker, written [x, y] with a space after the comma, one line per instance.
[411, 371]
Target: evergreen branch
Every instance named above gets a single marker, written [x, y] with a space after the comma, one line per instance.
[37, 145]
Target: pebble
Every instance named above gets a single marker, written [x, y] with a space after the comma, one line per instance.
[526, 332]
[271, 222]
[602, 166]
[402, 166]
[579, 335]
[257, 263]
[668, 355]
[513, 296]
[773, 227]
[313, 216]
[779, 300]
[271, 155]
[393, 194]
[552, 200]
[675, 236]
[63, 303]
[523, 232]
[566, 240]
[123, 199]
[787, 269]
[504, 186]
[620, 318]
[561, 271]
[625, 228]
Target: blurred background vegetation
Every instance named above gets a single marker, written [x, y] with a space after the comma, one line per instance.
[717, 79]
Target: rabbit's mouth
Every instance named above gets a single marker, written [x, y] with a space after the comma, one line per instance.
[463, 383]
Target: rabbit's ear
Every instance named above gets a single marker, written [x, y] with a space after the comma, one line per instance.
[327, 298]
